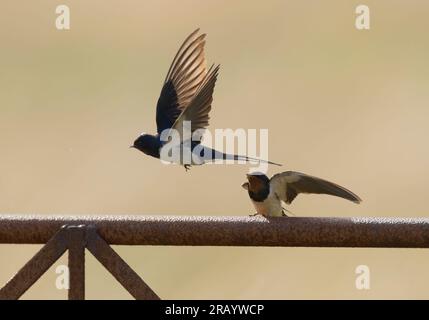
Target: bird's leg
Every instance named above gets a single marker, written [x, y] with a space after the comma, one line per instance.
[284, 212]
[187, 167]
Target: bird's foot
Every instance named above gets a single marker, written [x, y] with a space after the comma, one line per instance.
[288, 211]
[254, 215]
[187, 167]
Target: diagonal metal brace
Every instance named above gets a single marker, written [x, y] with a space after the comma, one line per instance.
[126, 276]
[75, 239]
[36, 267]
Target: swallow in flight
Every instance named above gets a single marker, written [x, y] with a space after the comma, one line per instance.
[186, 95]
[267, 194]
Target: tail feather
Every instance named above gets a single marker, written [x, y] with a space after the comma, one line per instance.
[225, 156]
[246, 158]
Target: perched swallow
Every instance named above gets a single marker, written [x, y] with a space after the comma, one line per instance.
[186, 96]
[267, 194]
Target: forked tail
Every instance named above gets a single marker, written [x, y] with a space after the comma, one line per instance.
[224, 156]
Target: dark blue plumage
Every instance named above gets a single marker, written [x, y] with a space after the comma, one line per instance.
[186, 95]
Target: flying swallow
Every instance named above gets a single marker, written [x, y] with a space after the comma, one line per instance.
[267, 194]
[186, 95]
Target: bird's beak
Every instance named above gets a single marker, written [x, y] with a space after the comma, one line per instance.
[132, 146]
[245, 186]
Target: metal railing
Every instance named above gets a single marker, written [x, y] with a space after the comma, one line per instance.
[97, 233]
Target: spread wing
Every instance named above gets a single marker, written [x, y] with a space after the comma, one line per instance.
[184, 78]
[289, 184]
[198, 109]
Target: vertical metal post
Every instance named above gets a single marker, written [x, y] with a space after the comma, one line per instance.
[76, 249]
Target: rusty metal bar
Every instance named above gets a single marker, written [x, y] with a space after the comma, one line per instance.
[228, 231]
[35, 268]
[76, 249]
[126, 276]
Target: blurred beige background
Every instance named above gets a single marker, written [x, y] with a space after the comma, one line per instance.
[347, 105]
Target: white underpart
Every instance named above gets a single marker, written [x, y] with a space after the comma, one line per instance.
[177, 152]
[271, 206]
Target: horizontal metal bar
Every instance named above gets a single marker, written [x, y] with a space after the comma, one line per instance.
[227, 231]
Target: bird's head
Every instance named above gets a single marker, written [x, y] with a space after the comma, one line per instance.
[256, 182]
[147, 144]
